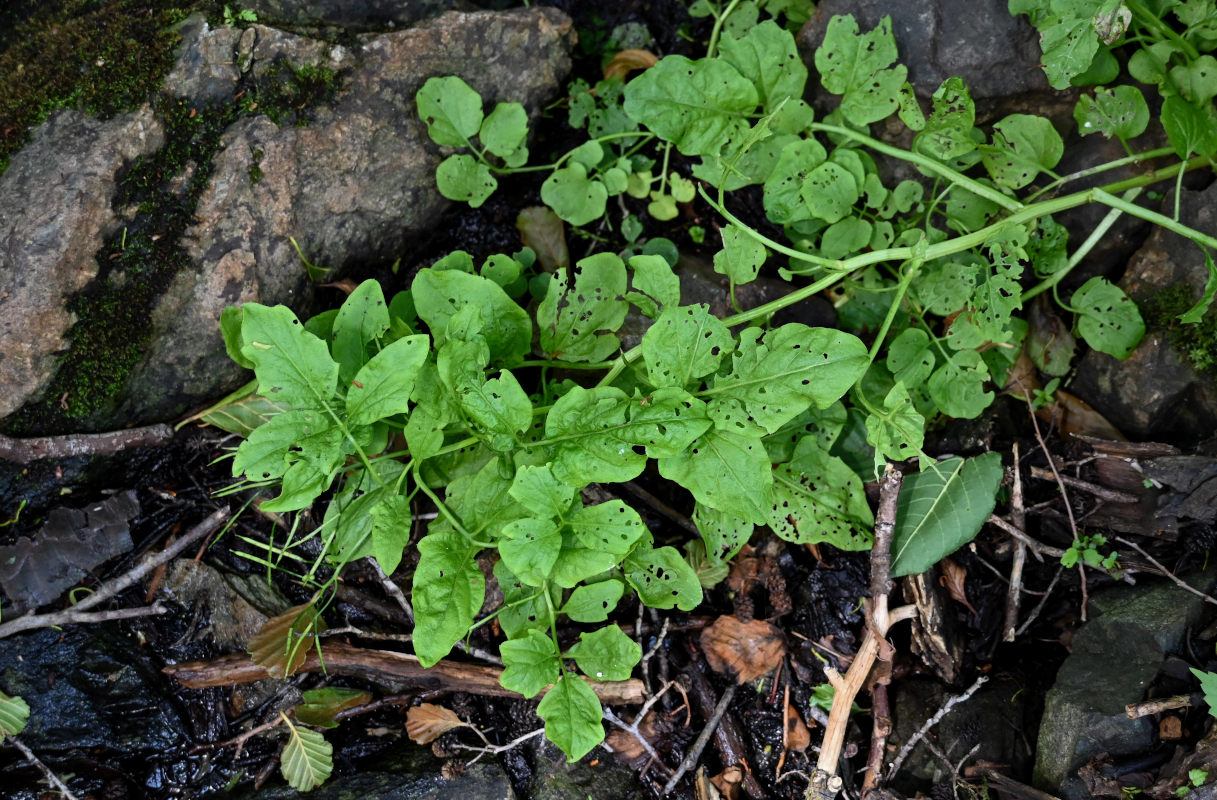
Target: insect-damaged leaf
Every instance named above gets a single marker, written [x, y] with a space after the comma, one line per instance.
[662, 578]
[941, 509]
[594, 602]
[606, 654]
[817, 498]
[697, 105]
[577, 323]
[685, 343]
[1108, 321]
[726, 471]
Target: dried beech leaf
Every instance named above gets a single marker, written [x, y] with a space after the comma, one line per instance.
[1077, 418]
[284, 641]
[748, 649]
[427, 722]
[798, 738]
[955, 579]
[627, 61]
[545, 233]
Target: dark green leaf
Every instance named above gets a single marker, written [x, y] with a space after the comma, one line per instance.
[606, 654]
[1107, 319]
[448, 591]
[594, 602]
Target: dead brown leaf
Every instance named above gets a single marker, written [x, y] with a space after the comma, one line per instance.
[284, 641]
[747, 649]
[545, 233]
[955, 579]
[346, 285]
[627, 61]
[427, 722]
[728, 782]
[798, 738]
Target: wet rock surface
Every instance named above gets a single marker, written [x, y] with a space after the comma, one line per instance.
[353, 187]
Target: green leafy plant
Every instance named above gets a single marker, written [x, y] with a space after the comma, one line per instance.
[1195, 778]
[1086, 550]
[14, 713]
[447, 394]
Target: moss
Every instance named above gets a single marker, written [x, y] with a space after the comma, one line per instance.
[100, 56]
[287, 92]
[1195, 342]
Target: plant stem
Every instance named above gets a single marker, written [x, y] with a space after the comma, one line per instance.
[1104, 167]
[718, 28]
[1151, 21]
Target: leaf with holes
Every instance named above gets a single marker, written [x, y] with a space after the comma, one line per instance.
[292, 365]
[530, 663]
[530, 547]
[666, 422]
[1107, 319]
[611, 527]
[741, 257]
[448, 590]
[830, 192]
[359, 323]
[662, 578]
[593, 602]
[783, 183]
[441, 294]
[723, 534]
[767, 56]
[307, 758]
[578, 322]
[856, 66]
[789, 369]
[684, 344]
[727, 471]
[452, 110]
[1120, 111]
[1023, 146]
[941, 509]
[898, 431]
[572, 714]
[947, 134]
[1069, 46]
[816, 498]
[588, 424]
[465, 179]
[697, 105]
[606, 654]
[958, 386]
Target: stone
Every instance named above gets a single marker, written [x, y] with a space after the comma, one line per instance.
[53, 220]
[1168, 386]
[362, 15]
[554, 778]
[1115, 658]
[354, 187]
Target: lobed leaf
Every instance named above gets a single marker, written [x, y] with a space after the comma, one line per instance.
[577, 323]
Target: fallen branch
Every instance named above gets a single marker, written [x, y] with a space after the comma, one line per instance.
[382, 666]
[703, 738]
[1101, 492]
[1019, 559]
[1147, 708]
[107, 590]
[24, 451]
[1177, 580]
[930, 723]
[51, 777]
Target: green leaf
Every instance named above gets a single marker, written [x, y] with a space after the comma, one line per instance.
[1196, 80]
[910, 357]
[666, 422]
[697, 105]
[767, 56]
[572, 716]
[1107, 319]
[536, 488]
[830, 192]
[463, 178]
[391, 525]
[653, 276]
[577, 323]
[362, 320]
[948, 132]
[1068, 46]
[499, 407]
[574, 196]
[897, 432]
[606, 654]
[941, 509]
[726, 471]
[594, 602]
[783, 191]
[307, 758]
[588, 424]
[439, 295]
[845, 238]
[292, 366]
[1188, 128]
[1208, 685]
[577, 563]
[662, 578]
[957, 387]
[741, 257]
[817, 498]
[320, 705]
[448, 591]
[530, 548]
[525, 607]
[383, 386]
[611, 527]
[723, 534]
[530, 663]
[791, 367]
[451, 109]
[1120, 112]
[503, 132]
[854, 65]
[684, 344]
[230, 330]
[14, 713]
[1023, 146]
[288, 438]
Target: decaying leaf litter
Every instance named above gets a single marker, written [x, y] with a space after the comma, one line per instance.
[755, 734]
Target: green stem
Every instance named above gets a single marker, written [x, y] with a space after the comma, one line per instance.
[1151, 21]
[1135, 158]
[718, 28]
[563, 158]
[567, 364]
[441, 507]
[936, 167]
[906, 280]
[1153, 216]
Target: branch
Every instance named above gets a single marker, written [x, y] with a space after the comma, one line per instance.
[23, 451]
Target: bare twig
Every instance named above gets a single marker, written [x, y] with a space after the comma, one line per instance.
[392, 589]
[1039, 548]
[112, 588]
[1035, 612]
[1148, 707]
[24, 451]
[1101, 492]
[703, 738]
[1019, 559]
[491, 749]
[1178, 582]
[51, 777]
[930, 723]
[632, 727]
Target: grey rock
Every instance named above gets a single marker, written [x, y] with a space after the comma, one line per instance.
[354, 187]
[1156, 391]
[55, 212]
[997, 55]
[556, 779]
[362, 15]
[1115, 658]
